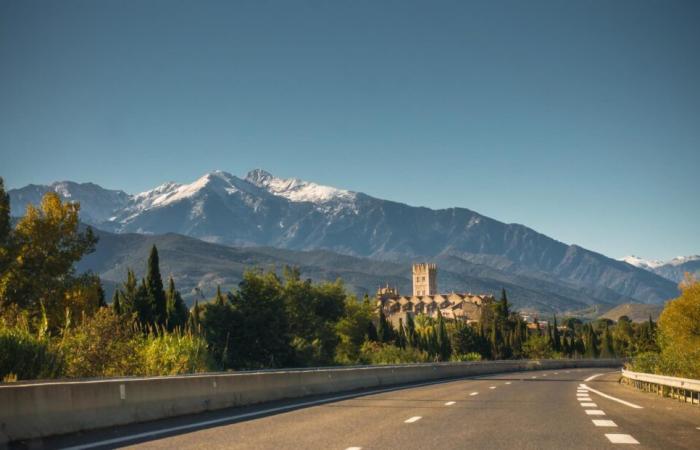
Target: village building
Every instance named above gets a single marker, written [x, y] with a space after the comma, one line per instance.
[426, 299]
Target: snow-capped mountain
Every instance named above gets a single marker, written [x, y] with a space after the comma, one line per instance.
[674, 269]
[96, 203]
[262, 210]
[648, 264]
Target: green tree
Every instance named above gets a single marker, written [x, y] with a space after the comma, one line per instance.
[443, 339]
[607, 350]
[46, 244]
[679, 333]
[116, 302]
[5, 228]
[385, 332]
[177, 312]
[154, 288]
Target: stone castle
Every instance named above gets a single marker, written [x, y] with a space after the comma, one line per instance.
[426, 299]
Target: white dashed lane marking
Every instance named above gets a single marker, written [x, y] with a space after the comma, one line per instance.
[492, 387]
[474, 393]
[589, 405]
[507, 382]
[413, 419]
[450, 403]
[604, 423]
[595, 412]
[354, 448]
[621, 438]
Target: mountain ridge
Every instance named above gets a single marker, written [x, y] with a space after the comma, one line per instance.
[262, 210]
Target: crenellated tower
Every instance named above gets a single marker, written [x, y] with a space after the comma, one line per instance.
[424, 279]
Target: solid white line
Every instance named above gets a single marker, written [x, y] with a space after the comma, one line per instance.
[631, 405]
[474, 393]
[589, 405]
[595, 412]
[621, 438]
[593, 377]
[204, 423]
[604, 423]
[450, 403]
[413, 419]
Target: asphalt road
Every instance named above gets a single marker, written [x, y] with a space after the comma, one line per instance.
[524, 410]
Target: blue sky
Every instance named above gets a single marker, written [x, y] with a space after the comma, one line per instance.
[578, 119]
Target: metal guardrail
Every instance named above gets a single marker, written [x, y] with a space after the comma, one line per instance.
[684, 389]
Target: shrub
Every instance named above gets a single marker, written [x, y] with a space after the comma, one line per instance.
[471, 356]
[24, 355]
[647, 362]
[102, 345]
[378, 353]
[172, 353]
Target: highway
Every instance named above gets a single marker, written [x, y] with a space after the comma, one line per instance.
[564, 409]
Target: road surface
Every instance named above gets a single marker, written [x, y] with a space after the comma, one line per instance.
[564, 409]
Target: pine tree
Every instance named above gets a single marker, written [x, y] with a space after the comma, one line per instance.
[129, 293]
[401, 338]
[5, 227]
[444, 348]
[154, 286]
[607, 350]
[556, 338]
[411, 331]
[101, 302]
[116, 302]
[385, 331]
[219, 300]
[176, 309]
[193, 320]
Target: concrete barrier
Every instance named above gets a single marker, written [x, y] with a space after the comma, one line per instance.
[40, 409]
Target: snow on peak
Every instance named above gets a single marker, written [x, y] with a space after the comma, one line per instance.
[171, 192]
[642, 263]
[297, 190]
[678, 260]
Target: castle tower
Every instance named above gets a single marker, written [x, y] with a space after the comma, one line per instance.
[424, 279]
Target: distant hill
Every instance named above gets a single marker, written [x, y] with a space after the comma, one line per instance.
[635, 311]
[261, 210]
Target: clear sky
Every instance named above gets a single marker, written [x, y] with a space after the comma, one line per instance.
[578, 119]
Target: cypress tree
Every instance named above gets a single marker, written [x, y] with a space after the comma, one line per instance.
[154, 287]
[385, 332]
[101, 303]
[607, 350]
[219, 297]
[177, 311]
[5, 227]
[411, 331]
[128, 295]
[371, 334]
[193, 320]
[401, 339]
[443, 339]
[556, 338]
[116, 303]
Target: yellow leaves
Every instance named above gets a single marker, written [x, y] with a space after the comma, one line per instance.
[679, 332]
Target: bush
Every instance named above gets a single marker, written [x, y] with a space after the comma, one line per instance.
[104, 345]
[679, 333]
[378, 353]
[471, 356]
[173, 353]
[24, 355]
[648, 362]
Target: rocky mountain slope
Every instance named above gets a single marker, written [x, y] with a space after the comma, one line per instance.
[262, 210]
